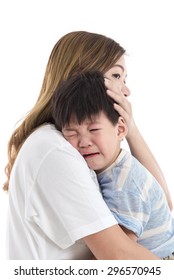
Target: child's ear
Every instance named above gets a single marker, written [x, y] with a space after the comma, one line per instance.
[122, 128]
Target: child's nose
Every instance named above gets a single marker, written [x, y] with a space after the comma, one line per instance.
[84, 141]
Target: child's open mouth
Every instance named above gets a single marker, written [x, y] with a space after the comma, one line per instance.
[90, 155]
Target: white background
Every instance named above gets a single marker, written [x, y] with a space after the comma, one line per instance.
[29, 30]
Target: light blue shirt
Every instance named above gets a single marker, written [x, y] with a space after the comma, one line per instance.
[138, 203]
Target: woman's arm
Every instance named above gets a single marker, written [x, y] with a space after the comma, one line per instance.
[136, 142]
[130, 234]
[113, 244]
[141, 151]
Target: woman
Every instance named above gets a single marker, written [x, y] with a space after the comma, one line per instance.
[56, 210]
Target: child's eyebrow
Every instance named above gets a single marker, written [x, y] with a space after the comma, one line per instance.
[68, 128]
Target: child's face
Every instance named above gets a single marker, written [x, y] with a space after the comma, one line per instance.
[97, 140]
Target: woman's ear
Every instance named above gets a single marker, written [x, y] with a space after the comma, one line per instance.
[122, 128]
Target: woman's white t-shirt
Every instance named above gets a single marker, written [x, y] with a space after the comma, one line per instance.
[54, 200]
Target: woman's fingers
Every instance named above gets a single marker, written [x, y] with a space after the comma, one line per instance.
[122, 105]
[119, 99]
[118, 88]
[115, 87]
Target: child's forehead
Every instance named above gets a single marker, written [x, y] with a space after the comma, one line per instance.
[96, 118]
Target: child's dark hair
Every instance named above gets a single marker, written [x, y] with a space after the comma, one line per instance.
[82, 96]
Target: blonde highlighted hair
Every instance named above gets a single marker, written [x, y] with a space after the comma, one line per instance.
[77, 51]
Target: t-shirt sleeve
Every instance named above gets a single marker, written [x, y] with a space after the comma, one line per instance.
[65, 202]
[130, 210]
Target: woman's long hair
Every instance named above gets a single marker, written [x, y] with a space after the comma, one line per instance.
[77, 51]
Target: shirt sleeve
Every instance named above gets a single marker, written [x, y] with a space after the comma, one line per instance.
[65, 202]
[130, 210]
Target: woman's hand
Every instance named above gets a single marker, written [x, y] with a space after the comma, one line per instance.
[122, 105]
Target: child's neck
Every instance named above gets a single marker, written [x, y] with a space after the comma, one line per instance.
[107, 166]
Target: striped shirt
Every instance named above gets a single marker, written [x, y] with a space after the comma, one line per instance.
[138, 203]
